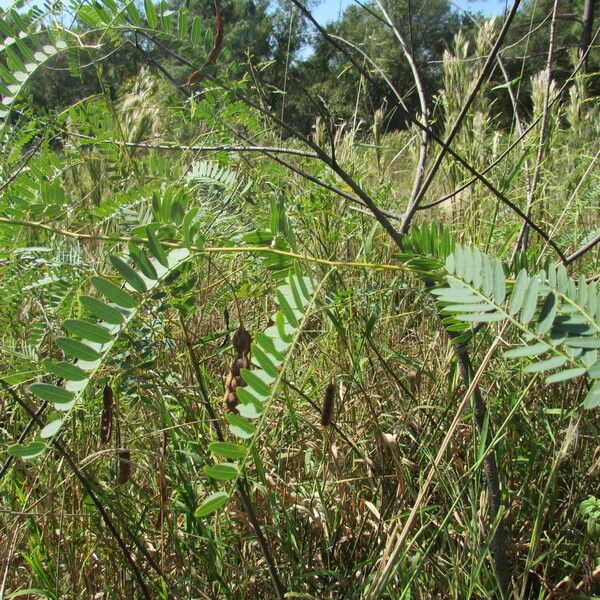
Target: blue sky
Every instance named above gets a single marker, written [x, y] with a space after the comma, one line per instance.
[329, 10]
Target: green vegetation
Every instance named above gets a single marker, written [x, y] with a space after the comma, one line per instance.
[291, 311]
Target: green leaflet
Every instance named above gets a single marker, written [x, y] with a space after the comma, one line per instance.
[565, 329]
[594, 370]
[547, 314]
[546, 365]
[51, 429]
[27, 451]
[182, 24]
[524, 351]
[196, 31]
[88, 355]
[592, 398]
[128, 274]
[151, 15]
[142, 262]
[102, 311]
[228, 450]
[487, 271]
[530, 301]
[240, 426]
[250, 396]
[133, 13]
[113, 293]
[518, 293]
[259, 381]
[65, 370]
[565, 375]
[249, 407]
[221, 471]
[78, 350]
[480, 317]
[266, 362]
[458, 308]
[87, 331]
[51, 393]
[156, 248]
[288, 311]
[267, 344]
[499, 286]
[211, 504]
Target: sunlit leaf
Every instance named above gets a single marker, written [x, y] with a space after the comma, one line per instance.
[65, 370]
[102, 311]
[87, 331]
[113, 293]
[76, 349]
[228, 450]
[51, 393]
[128, 274]
[221, 471]
[211, 504]
[26, 451]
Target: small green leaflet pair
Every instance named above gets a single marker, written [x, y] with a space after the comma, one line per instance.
[270, 352]
[91, 337]
[559, 318]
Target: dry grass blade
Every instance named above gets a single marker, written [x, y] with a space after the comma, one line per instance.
[399, 534]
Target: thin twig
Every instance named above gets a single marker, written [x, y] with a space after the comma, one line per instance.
[208, 250]
[513, 145]
[423, 146]
[585, 248]
[485, 71]
[184, 148]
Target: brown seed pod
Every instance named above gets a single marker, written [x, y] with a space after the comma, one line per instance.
[197, 76]
[328, 405]
[125, 467]
[242, 342]
[107, 415]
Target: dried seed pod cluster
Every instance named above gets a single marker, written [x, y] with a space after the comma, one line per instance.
[242, 341]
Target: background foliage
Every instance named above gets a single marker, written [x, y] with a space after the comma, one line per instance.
[417, 414]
